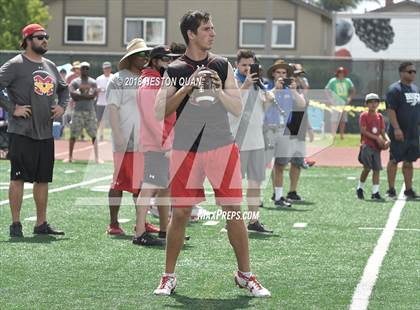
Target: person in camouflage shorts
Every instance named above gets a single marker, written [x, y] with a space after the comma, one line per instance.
[86, 120]
[83, 91]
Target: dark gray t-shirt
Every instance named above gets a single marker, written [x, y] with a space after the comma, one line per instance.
[84, 105]
[35, 84]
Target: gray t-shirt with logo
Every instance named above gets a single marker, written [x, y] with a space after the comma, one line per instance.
[84, 104]
[24, 82]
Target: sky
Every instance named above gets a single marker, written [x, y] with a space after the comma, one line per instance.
[370, 5]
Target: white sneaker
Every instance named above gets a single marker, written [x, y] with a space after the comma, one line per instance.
[198, 212]
[252, 285]
[166, 287]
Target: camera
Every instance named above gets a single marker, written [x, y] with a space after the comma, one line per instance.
[255, 68]
[287, 82]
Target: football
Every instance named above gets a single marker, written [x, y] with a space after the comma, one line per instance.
[205, 80]
[383, 144]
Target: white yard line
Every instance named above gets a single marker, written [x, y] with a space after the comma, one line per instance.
[360, 300]
[64, 188]
[397, 229]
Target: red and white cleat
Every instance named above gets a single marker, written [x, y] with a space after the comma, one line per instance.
[166, 287]
[114, 230]
[150, 228]
[251, 284]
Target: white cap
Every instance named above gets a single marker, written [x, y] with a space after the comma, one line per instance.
[106, 64]
[84, 64]
[372, 96]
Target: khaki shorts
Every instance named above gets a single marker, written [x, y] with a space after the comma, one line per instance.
[253, 165]
[83, 119]
[287, 149]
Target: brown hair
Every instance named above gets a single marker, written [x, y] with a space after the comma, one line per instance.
[191, 21]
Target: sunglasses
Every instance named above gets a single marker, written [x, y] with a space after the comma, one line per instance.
[41, 37]
[165, 58]
[411, 71]
[142, 54]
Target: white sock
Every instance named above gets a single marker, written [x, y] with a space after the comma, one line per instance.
[375, 188]
[172, 275]
[246, 274]
[279, 192]
[361, 185]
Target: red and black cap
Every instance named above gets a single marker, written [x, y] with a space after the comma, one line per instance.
[161, 50]
[29, 30]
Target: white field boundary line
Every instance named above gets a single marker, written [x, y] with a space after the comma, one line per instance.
[397, 229]
[360, 300]
[64, 188]
[86, 148]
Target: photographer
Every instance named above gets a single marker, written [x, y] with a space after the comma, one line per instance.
[281, 129]
[248, 130]
[301, 117]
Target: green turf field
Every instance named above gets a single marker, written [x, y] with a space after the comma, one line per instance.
[317, 267]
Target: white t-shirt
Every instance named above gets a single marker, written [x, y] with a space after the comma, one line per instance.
[122, 92]
[101, 83]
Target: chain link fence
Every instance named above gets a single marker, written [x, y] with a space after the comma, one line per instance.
[367, 75]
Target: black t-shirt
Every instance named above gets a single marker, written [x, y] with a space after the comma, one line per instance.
[405, 101]
[198, 128]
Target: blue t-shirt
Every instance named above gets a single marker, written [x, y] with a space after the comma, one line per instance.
[405, 101]
[284, 102]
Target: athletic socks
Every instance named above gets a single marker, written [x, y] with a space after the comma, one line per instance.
[165, 274]
[361, 185]
[279, 192]
[246, 274]
[375, 188]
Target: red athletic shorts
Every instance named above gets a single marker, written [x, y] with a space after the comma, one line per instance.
[128, 171]
[222, 168]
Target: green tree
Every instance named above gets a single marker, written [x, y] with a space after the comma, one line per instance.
[340, 5]
[14, 15]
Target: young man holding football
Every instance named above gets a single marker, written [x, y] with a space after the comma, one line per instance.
[203, 147]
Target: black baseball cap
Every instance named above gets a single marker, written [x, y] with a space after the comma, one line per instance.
[161, 50]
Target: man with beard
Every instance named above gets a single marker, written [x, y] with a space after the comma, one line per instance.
[28, 84]
[403, 107]
[203, 146]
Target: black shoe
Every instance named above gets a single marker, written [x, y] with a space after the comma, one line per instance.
[282, 202]
[16, 230]
[410, 194]
[147, 239]
[360, 193]
[162, 235]
[46, 229]
[258, 227]
[294, 197]
[377, 197]
[391, 193]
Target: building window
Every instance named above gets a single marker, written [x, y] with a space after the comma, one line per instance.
[252, 33]
[84, 30]
[283, 34]
[152, 30]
